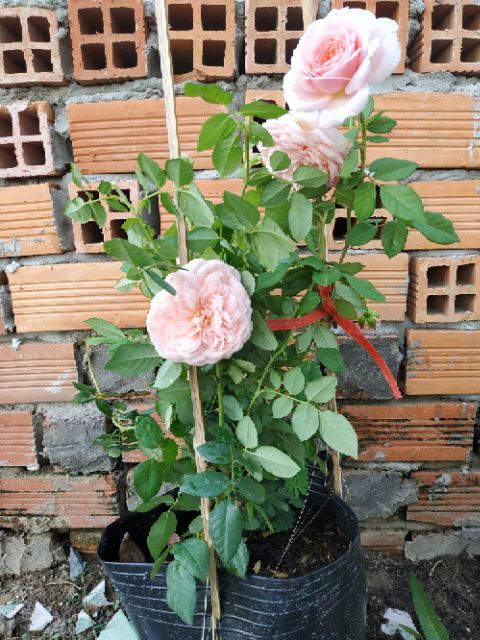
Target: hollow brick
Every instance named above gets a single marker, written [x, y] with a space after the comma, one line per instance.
[390, 542]
[444, 289]
[407, 432]
[202, 39]
[274, 28]
[61, 297]
[108, 40]
[449, 39]
[41, 372]
[442, 362]
[17, 439]
[108, 136]
[29, 47]
[394, 9]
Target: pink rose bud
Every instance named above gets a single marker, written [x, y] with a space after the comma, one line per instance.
[208, 320]
[336, 61]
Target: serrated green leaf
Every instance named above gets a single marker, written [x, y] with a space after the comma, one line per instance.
[216, 128]
[206, 484]
[246, 214]
[226, 525]
[232, 408]
[436, 228]
[275, 192]
[394, 237]
[261, 336]
[262, 109]
[300, 216]
[239, 563]
[305, 421]
[279, 161]
[167, 374]
[202, 238]
[105, 328]
[281, 407]
[338, 433]
[387, 169]
[252, 489]
[331, 359]
[148, 432]
[247, 433]
[402, 202]
[310, 177]
[276, 462]
[211, 93]
[215, 452]
[271, 245]
[133, 359]
[194, 556]
[365, 288]
[181, 591]
[360, 234]
[125, 251]
[195, 207]
[294, 381]
[364, 201]
[161, 531]
[148, 478]
[227, 155]
[322, 389]
[151, 169]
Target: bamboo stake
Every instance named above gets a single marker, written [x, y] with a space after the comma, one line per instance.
[174, 149]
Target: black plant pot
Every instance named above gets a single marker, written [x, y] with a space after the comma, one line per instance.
[327, 604]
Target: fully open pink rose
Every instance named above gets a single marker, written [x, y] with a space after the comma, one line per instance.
[298, 135]
[337, 59]
[208, 319]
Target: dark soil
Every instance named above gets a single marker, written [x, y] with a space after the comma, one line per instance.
[318, 544]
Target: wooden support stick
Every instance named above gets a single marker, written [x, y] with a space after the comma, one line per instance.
[174, 148]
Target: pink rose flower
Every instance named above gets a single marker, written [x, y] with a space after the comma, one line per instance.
[209, 318]
[337, 59]
[298, 135]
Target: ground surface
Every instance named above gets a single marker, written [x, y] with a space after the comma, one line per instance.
[453, 584]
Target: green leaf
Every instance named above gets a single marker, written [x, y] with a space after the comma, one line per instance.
[276, 462]
[364, 201]
[310, 177]
[257, 131]
[246, 214]
[381, 124]
[147, 478]
[99, 214]
[305, 421]
[216, 128]
[167, 374]
[133, 359]
[154, 502]
[275, 192]
[181, 591]
[78, 210]
[202, 238]
[309, 302]
[232, 408]
[322, 389]
[387, 169]
[271, 245]
[261, 336]
[281, 407]
[105, 328]
[216, 452]
[239, 563]
[194, 556]
[227, 155]
[324, 338]
[195, 207]
[431, 624]
[252, 489]
[125, 251]
[161, 531]
[402, 202]
[365, 288]
[206, 484]
[294, 381]
[361, 233]
[338, 433]
[211, 93]
[350, 164]
[436, 228]
[394, 237]
[279, 161]
[247, 433]
[148, 432]
[226, 525]
[300, 216]
[262, 109]
[155, 281]
[180, 171]
[331, 359]
[329, 276]
[77, 177]
[151, 169]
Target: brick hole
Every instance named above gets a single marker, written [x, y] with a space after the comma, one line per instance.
[466, 275]
[266, 19]
[33, 154]
[182, 56]
[8, 159]
[180, 17]
[214, 53]
[471, 17]
[265, 51]
[14, 62]
[6, 125]
[438, 276]
[38, 29]
[340, 228]
[10, 29]
[90, 21]
[124, 55]
[122, 20]
[84, 195]
[42, 60]
[294, 19]
[442, 51]
[443, 17]
[464, 303]
[437, 305]
[29, 122]
[387, 10]
[214, 17]
[290, 46]
[353, 4]
[93, 56]
[116, 230]
[92, 233]
[470, 51]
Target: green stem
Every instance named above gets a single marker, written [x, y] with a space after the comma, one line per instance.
[221, 417]
[363, 143]
[246, 144]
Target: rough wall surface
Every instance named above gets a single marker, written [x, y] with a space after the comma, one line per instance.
[417, 481]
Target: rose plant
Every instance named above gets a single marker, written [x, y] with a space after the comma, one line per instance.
[268, 396]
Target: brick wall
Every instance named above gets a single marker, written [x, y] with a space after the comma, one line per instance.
[82, 82]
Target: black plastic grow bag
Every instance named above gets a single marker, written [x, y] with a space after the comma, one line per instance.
[328, 604]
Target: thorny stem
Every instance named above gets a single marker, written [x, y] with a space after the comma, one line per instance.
[246, 177]
[220, 395]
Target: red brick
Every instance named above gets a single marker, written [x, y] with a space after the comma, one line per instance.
[108, 40]
[449, 39]
[25, 143]
[61, 297]
[42, 372]
[5, 306]
[29, 47]
[17, 439]
[406, 432]
[444, 289]
[88, 237]
[108, 136]
[202, 38]
[27, 221]
[274, 28]
[85, 541]
[442, 362]
[395, 10]
[390, 542]
[450, 499]
[78, 503]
